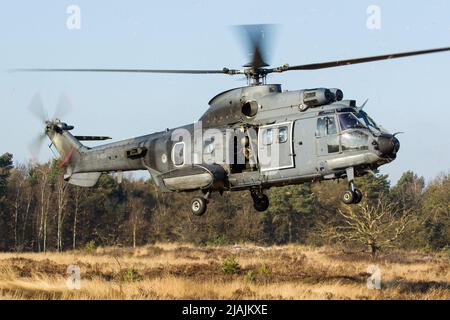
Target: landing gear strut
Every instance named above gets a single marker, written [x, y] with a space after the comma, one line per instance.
[200, 204]
[353, 195]
[260, 200]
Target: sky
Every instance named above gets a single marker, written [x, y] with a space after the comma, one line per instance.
[408, 95]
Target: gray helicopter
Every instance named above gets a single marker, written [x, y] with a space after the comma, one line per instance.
[250, 138]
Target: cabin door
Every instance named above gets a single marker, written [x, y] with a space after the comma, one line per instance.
[305, 146]
[275, 147]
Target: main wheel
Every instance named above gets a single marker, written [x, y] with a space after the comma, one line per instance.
[348, 197]
[198, 206]
[358, 196]
[261, 203]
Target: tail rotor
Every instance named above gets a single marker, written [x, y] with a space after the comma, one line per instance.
[36, 107]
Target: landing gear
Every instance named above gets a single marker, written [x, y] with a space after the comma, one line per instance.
[358, 196]
[260, 200]
[353, 195]
[200, 204]
[348, 197]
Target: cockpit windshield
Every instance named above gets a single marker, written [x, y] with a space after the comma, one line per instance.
[351, 121]
[367, 120]
[361, 115]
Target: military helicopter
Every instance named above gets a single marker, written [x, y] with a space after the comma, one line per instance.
[250, 138]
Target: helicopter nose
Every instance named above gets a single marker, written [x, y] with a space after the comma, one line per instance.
[388, 145]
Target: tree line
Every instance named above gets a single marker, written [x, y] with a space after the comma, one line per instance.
[40, 212]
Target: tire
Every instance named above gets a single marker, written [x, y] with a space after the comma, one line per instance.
[261, 204]
[198, 206]
[358, 196]
[348, 197]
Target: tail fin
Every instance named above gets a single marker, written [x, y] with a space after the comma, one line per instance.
[70, 148]
[67, 145]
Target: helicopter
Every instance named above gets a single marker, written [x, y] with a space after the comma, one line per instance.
[250, 138]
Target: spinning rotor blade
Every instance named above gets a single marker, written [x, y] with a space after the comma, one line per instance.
[257, 38]
[63, 107]
[223, 71]
[36, 107]
[339, 63]
[36, 145]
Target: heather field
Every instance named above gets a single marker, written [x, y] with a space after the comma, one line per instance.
[246, 271]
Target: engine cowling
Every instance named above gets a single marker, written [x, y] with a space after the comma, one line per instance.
[319, 97]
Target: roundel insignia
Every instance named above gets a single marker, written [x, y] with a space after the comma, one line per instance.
[164, 158]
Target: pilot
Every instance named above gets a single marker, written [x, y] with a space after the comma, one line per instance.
[331, 125]
[321, 127]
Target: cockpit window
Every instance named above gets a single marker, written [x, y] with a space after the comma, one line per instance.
[326, 126]
[361, 115]
[350, 121]
[368, 120]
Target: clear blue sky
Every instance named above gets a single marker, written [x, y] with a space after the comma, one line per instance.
[409, 95]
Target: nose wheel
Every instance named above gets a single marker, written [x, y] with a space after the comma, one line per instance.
[353, 195]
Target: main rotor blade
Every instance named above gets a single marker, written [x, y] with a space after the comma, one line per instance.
[339, 63]
[223, 71]
[257, 38]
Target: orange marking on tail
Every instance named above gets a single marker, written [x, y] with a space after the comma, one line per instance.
[66, 160]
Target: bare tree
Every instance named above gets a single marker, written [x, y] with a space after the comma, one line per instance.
[16, 184]
[78, 194]
[43, 205]
[376, 226]
[61, 203]
[28, 197]
[136, 211]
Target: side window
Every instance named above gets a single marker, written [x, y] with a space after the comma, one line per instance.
[326, 126]
[282, 134]
[333, 144]
[178, 154]
[321, 127]
[267, 136]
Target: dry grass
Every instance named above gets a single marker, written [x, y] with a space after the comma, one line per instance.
[181, 271]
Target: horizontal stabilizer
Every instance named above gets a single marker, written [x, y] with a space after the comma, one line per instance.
[87, 179]
[92, 138]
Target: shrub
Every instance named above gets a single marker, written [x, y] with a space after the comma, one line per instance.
[131, 275]
[89, 247]
[230, 266]
[264, 270]
[250, 276]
